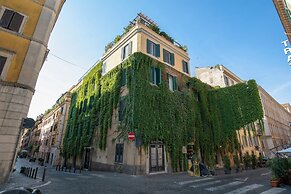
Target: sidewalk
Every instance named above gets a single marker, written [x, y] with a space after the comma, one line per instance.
[17, 179]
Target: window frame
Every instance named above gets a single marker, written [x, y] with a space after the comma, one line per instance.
[126, 50]
[154, 81]
[172, 86]
[9, 56]
[169, 58]
[23, 22]
[153, 47]
[185, 66]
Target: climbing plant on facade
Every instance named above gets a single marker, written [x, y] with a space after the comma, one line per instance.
[195, 113]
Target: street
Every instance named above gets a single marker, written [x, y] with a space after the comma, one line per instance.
[252, 181]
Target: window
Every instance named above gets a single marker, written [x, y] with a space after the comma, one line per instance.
[2, 63]
[185, 66]
[226, 81]
[126, 50]
[91, 102]
[168, 57]
[119, 153]
[172, 82]
[11, 20]
[155, 75]
[153, 49]
[121, 110]
[85, 105]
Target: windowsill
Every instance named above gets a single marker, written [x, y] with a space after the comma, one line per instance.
[120, 163]
[154, 84]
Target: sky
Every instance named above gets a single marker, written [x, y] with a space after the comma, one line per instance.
[244, 36]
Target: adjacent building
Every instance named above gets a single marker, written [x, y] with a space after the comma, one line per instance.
[276, 132]
[52, 130]
[25, 28]
[283, 8]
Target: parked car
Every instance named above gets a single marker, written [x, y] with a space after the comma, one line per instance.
[21, 191]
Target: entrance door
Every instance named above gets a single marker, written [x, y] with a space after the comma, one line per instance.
[87, 158]
[157, 160]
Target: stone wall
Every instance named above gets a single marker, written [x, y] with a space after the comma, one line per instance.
[14, 105]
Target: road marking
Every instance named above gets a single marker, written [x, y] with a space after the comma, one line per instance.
[206, 184]
[245, 189]
[273, 191]
[193, 181]
[98, 175]
[49, 182]
[221, 187]
[244, 180]
[264, 174]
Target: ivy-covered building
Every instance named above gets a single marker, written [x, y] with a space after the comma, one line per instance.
[142, 84]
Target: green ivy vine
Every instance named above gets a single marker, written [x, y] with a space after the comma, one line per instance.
[196, 113]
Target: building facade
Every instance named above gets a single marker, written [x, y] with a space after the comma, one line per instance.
[283, 8]
[53, 129]
[25, 28]
[276, 132]
[142, 85]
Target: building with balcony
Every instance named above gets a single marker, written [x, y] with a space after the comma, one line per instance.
[25, 28]
[276, 133]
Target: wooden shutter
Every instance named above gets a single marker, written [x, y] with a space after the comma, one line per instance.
[16, 22]
[158, 76]
[2, 63]
[172, 59]
[174, 83]
[130, 48]
[183, 64]
[157, 50]
[165, 55]
[148, 46]
[6, 18]
[152, 75]
[121, 110]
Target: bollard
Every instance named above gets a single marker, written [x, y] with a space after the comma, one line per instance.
[35, 172]
[74, 170]
[56, 167]
[32, 174]
[62, 168]
[70, 167]
[65, 168]
[43, 175]
[80, 170]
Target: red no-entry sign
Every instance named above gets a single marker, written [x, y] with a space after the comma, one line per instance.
[131, 136]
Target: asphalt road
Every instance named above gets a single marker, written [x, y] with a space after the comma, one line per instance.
[252, 181]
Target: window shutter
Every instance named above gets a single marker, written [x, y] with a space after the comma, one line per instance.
[174, 83]
[158, 76]
[16, 22]
[157, 49]
[2, 63]
[164, 55]
[172, 62]
[186, 67]
[183, 64]
[130, 48]
[148, 46]
[122, 53]
[6, 18]
[152, 75]
[121, 110]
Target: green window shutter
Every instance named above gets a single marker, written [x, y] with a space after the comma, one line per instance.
[183, 64]
[164, 55]
[174, 83]
[152, 75]
[158, 76]
[122, 53]
[157, 50]
[148, 46]
[172, 58]
[123, 78]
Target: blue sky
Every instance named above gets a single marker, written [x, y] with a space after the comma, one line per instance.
[245, 36]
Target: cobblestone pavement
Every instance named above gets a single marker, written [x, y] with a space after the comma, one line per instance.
[253, 181]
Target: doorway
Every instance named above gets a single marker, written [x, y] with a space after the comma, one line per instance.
[157, 158]
[87, 158]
